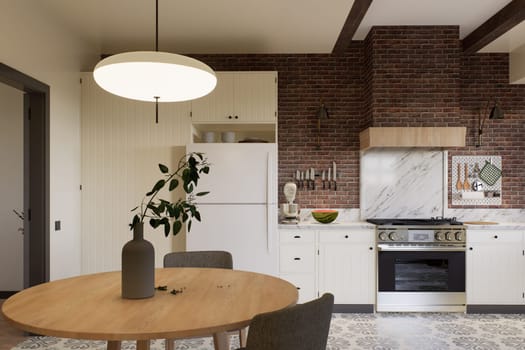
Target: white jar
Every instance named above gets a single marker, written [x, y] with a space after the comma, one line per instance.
[228, 136]
[209, 137]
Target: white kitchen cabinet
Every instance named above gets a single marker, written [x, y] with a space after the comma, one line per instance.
[347, 266]
[341, 262]
[239, 98]
[297, 263]
[495, 267]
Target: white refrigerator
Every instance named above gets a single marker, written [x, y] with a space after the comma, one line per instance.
[239, 214]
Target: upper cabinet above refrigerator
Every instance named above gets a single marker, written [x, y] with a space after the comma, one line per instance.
[243, 102]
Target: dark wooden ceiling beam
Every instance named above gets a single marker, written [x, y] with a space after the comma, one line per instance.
[504, 20]
[356, 15]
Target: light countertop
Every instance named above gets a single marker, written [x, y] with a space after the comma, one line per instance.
[498, 226]
[336, 225]
[366, 225]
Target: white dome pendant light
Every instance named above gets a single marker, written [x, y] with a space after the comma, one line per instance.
[155, 76]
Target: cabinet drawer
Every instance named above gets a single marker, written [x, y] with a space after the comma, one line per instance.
[297, 236]
[297, 258]
[305, 284]
[483, 236]
[336, 236]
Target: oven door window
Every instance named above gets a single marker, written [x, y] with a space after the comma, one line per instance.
[421, 275]
[421, 271]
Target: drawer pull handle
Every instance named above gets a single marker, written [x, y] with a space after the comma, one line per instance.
[296, 236]
[496, 237]
[346, 236]
[371, 248]
[298, 288]
[297, 258]
[471, 248]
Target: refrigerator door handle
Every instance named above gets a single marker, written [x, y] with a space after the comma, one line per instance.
[268, 238]
[270, 190]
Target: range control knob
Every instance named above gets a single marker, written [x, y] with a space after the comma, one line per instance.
[394, 236]
[460, 236]
[440, 236]
[383, 236]
[450, 236]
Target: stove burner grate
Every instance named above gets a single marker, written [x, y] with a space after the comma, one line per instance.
[434, 221]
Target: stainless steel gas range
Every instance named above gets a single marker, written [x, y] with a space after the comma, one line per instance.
[420, 264]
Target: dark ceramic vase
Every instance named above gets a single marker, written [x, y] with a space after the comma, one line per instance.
[138, 266]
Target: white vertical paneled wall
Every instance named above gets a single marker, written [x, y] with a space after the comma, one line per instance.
[121, 149]
[50, 51]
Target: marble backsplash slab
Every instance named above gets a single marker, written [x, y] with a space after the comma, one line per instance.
[405, 182]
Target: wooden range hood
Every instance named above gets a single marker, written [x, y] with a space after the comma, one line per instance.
[412, 137]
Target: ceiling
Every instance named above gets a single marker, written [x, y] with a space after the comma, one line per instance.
[254, 26]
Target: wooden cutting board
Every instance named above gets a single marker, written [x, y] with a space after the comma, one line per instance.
[480, 222]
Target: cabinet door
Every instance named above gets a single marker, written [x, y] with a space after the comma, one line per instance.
[217, 106]
[495, 268]
[305, 284]
[347, 271]
[256, 97]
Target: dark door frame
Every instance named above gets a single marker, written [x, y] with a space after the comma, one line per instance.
[36, 173]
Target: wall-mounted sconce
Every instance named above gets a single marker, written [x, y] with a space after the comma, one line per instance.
[495, 113]
[322, 113]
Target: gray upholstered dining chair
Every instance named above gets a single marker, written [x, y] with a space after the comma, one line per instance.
[300, 327]
[207, 258]
[204, 259]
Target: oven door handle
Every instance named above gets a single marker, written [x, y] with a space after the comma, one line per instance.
[387, 248]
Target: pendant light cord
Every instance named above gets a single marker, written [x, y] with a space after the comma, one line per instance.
[156, 49]
[156, 25]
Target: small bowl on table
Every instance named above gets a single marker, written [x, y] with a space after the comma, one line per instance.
[325, 216]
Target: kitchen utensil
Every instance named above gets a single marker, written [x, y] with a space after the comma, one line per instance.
[466, 184]
[290, 189]
[475, 171]
[459, 183]
[477, 185]
[490, 173]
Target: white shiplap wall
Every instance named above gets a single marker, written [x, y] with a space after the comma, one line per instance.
[121, 148]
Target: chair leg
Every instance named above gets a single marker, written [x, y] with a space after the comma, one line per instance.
[169, 344]
[243, 335]
[221, 341]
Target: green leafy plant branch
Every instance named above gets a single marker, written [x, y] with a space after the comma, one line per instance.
[162, 212]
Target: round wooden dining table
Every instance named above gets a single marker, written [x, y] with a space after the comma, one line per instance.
[206, 302]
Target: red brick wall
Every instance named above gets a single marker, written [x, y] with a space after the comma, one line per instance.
[305, 81]
[484, 77]
[414, 76]
[398, 76]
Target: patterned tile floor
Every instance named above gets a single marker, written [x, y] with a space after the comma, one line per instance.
[384, 331]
